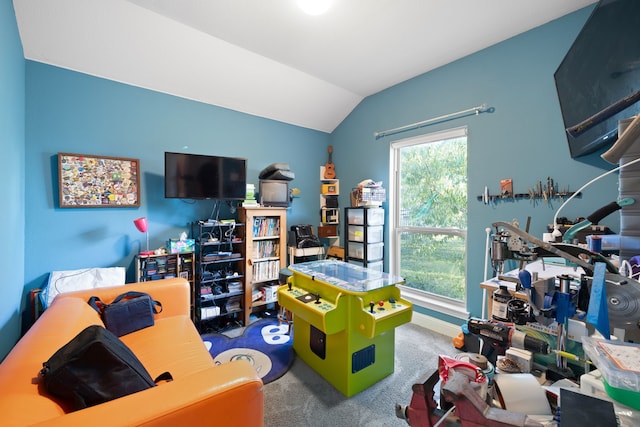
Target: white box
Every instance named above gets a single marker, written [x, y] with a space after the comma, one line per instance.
[269, 293]
[208, 312]
[377, 265]
[375, 216]
[374, 251]
[374, 234]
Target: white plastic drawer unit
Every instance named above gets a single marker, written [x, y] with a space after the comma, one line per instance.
[377, 265]
[373, 234]
[374, 216]
[374, 250]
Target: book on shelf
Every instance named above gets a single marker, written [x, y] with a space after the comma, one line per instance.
[266, 270]
[266, 227]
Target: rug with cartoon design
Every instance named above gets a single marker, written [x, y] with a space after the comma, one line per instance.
[264, 343]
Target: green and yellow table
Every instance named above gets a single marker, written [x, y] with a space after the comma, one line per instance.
[344, 320]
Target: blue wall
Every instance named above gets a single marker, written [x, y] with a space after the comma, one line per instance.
[523, 139]
[72, 112]
[12, 172]
[77, 113]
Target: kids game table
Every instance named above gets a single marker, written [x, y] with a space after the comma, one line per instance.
[344, 320]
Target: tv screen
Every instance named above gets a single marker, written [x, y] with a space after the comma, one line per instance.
[274, 193]
[601, 68]
[197, 176]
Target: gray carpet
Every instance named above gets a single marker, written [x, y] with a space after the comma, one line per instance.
[303, 398]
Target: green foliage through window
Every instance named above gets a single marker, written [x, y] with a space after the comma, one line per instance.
[432, 223]
[434, 184]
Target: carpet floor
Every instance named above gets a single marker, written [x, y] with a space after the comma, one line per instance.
[303, 398]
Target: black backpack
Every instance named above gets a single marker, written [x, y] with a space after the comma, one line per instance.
[95, 367]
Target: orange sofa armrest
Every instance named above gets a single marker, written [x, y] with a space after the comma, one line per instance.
[173, 294]
[229, 394]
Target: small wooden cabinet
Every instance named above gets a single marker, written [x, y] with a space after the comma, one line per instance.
[265, 254]
[156, 267]
[329, 211]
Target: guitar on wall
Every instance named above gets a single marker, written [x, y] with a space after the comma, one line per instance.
[329, 168]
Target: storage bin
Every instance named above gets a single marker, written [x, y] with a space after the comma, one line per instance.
[377, 265]
[374, 234]
[374, 250]
[374, 216]
[617, 361]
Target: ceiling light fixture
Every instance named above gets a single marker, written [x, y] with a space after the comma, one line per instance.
[314, 7]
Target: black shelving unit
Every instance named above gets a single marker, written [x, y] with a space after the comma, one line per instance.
[220, 278]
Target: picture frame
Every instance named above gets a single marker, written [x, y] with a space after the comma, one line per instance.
[91, 181]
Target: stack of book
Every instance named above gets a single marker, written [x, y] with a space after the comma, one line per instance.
[250, 197]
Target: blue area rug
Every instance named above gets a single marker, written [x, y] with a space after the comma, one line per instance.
[263, 343]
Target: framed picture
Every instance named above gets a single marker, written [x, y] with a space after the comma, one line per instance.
[87, 181]
[184, 275]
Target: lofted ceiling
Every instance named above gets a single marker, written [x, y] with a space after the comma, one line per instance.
[267, 57]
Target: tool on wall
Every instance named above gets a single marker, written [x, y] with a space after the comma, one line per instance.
[545, 192]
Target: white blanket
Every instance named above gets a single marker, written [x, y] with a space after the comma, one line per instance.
[75, 280]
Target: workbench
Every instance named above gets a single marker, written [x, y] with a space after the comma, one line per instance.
[543, 269]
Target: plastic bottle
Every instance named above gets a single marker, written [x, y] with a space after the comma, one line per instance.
[501, 297]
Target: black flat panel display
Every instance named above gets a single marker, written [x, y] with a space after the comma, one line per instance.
[601, 68]
[196, 176]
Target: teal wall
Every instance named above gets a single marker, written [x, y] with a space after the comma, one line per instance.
[12, 172]
[72, 112]
[76, 113]
[523, 139]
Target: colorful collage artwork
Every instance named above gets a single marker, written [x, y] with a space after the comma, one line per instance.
[96, 181]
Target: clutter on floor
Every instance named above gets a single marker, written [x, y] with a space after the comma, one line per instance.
[558, 344]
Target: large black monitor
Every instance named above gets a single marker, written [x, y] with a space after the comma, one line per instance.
[601, 68]
[197, 176]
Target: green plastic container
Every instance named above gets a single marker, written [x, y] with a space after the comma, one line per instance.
[626, 397]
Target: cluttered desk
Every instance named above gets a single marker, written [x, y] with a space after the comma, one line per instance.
[558, 346]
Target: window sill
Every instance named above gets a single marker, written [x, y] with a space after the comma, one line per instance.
[436, 303]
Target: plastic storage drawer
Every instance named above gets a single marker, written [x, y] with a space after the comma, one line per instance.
[374, 250]
[377, 265]
[375, 216]
[373, 234]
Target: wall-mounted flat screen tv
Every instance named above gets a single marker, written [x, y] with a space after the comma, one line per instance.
[601, 68]
[197, 176]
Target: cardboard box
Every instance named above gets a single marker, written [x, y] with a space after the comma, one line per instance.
[327, 230]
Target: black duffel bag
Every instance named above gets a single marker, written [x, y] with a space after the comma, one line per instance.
[128, 312]
[95, 367]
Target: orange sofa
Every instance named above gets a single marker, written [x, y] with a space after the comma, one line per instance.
[201, 393]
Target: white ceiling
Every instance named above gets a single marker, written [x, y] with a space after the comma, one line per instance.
[266, 57]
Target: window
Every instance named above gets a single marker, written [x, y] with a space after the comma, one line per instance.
[428, 216]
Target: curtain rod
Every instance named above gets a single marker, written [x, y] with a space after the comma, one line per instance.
[471, 111]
